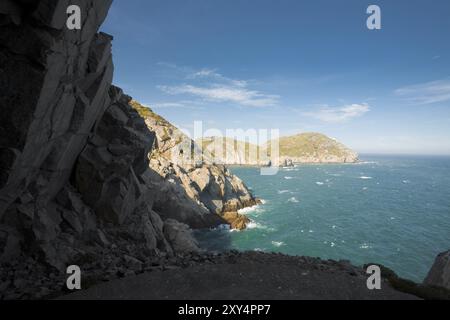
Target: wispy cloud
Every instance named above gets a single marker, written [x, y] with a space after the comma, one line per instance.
[339, 114]
[213, 74]
[222, 93]
[182, 104]
[211, 86]
[426, 93]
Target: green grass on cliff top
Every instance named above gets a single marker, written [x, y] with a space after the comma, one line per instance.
[309, 144]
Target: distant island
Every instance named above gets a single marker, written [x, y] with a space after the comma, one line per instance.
[310, 147]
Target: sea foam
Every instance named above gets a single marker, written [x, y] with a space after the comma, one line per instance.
[278, 243]
[249, 209]
[293, 200]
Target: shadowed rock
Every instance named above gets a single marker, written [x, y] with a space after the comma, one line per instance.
[439, 274]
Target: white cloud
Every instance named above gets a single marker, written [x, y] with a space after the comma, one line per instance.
[426, 93]
[225, 93]
[204, 73]
[339, 114]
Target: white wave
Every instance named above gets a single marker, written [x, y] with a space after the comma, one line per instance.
[365, 178]
[248, 209]
[335, 174]
[365, 188]
[406, 181]
[255, 225]
[366, 162]
[365, 246]
[293, 200]
[319, 183]
[288, 178]
[283, 191]
[278, 243]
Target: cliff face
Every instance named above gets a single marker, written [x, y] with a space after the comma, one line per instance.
[55, 86]
[76, 185]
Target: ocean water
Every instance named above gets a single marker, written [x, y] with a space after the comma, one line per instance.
[393, 210]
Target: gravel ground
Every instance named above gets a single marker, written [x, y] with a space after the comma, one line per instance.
[250, 275]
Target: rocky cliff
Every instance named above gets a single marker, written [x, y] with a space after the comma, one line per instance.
[76, 186]
[190, 178]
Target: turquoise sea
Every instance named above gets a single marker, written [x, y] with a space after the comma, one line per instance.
[393, 210]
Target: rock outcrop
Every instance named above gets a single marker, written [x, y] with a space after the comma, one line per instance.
[191, 180]
[439, 274]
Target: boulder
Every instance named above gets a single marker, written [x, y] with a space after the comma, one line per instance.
[179, 235]
[439, 274]
[235, 220]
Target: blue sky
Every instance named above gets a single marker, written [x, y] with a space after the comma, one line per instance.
[292, 65]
